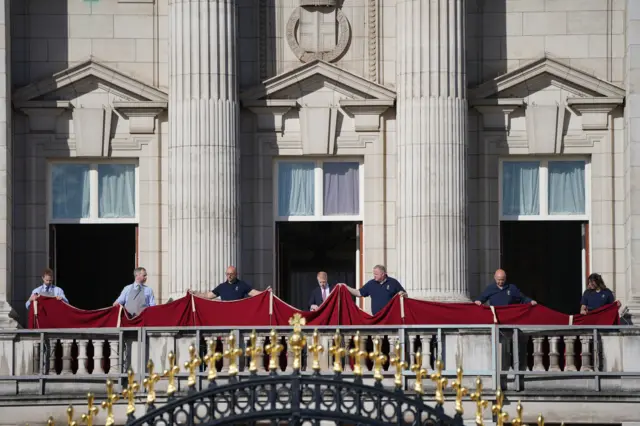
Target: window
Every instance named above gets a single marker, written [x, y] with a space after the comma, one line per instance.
[93, 193]
[318, 190]
[544, 190]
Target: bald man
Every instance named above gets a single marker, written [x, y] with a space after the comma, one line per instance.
[500, 293]
[230, 290]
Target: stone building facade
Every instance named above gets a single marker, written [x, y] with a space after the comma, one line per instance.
[442, 138]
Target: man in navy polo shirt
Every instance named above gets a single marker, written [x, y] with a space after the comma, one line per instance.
[501, 294]
[231, 289]
[381, 289]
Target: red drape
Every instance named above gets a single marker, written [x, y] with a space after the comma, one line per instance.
[266, 309]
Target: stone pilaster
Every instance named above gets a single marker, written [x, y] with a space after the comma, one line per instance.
[432, 154]
[7, 314]
[203, 143]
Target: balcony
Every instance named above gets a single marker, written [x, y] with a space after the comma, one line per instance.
[578, 373]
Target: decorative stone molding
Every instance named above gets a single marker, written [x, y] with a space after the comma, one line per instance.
[43, 115]
[594, 111]
[270, 113]
[373, 39]
[92, 128]
[141, 115]
[366, 112]
[344, 36]
[545, 127]
[318, 125]
[263, 26]
[496, 112]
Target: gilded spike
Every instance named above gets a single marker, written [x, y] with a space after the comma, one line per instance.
[192, 365]
[273, 349]
[540, 420]
[92, 411]
[316, 349]
[358, 355]
[378, 359]
[481, 404]
[297, 341]
[420, 373]
[107, 405]
[337, 351]
[253, 351]
[150, 383]
[232, 353]
[171, 374]
[130, 392]
[518, 420]
[461, 391]
[501, 416]
[441, 382]
[398, 364]
[50, 422]
[211, 358]
[70, 421]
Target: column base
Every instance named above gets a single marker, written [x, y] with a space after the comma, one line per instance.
[438, 296]
[8, 316]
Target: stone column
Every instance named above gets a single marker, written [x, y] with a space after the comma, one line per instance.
[432, 152]
[7, 314]
[203, 143]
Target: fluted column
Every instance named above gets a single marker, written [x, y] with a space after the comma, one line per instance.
[432, 153]
[203, 143]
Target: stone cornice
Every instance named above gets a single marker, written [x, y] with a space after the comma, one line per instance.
[496, 112]
[141, 115]
[366, 112]
[594, 111]
[43, 114]
[270, 112]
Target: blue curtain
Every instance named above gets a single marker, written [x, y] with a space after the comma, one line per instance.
[566, 187]
[296, 189]
[341, 188]
[520, 188]
[70, 191]
[117, 190]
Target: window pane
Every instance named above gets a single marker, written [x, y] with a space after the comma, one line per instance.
[520, 188]
[295, 189]
[341, 189]
[566, 187]
[70, 191]
[117, 190]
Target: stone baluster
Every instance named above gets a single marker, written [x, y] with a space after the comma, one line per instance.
[586, 354]
[554, 353]
[426, 349]
[67, 345]
[114, 364]
[37, 358]
[326, 359]
[538, 354]
[570, 353]
[260, 340]
[83, 357]
[51, 354]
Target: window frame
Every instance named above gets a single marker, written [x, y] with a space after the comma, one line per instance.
[543, 184]
[94, 192]
[318, 184]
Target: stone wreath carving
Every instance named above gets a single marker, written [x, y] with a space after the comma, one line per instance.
[344, 36]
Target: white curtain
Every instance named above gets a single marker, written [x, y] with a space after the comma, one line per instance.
[520, 188]
[117, 190]
[295, 189]
[566, 187]
[341, 189]
[70, 191]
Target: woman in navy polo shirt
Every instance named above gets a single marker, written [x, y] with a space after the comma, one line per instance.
[597, 295]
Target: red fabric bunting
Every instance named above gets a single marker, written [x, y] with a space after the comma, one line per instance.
[266, 309]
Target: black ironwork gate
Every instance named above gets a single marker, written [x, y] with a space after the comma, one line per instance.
[296, 400]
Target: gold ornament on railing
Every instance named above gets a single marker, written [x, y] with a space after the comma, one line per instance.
[398, 364]
[192, 365]
[253, 351]
[441, 382]
[273, 349]
[338, 352]
[171, 374]
[107, 405]
[150, 383]
[297, 341]
[130, 392]
[501, 416]
[518, 421]
[540, 420]
[92, 411]
[378, 359]
[70, 421]
[420, 373]
[232, 354]
[316, 349]
[481, 404]
[358, 355]
[50, 422]
[461, 391]
[211, 358]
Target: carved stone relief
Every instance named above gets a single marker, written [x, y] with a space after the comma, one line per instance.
[309, 53]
